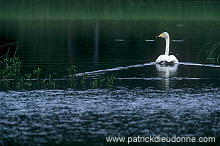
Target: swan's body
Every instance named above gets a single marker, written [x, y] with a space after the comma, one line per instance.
[166, 58]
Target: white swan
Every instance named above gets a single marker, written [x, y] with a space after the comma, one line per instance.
[166, 58]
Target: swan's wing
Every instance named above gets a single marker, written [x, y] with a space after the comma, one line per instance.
[173, 58]
[168, 59]
[160, 58]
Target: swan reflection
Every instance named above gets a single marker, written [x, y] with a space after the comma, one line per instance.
[166, 71]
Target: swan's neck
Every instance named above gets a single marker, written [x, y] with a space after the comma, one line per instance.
[167, 45]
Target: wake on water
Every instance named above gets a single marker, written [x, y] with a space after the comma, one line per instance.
[103, 71]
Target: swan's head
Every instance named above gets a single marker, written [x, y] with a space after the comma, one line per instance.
[163, 35]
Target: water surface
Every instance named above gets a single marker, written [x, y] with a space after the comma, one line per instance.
[146, 99]
[66, 116]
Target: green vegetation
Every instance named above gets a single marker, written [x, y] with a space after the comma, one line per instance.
[110, 9]
[210, 52]
[72, 75]
[36, 73]
[11, 77]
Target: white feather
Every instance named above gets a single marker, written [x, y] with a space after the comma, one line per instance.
[166, 58]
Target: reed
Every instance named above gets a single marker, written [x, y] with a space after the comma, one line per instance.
[51, 83]
[72, 75]
[36, 73]
[106, 9]
[210, 51]
[11, 77]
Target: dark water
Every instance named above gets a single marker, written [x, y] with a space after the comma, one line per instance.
[146, 99]
[92, 45]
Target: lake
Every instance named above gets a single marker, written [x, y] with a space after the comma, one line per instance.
[145, 99]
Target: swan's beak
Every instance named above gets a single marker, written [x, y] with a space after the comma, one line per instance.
[159, 36]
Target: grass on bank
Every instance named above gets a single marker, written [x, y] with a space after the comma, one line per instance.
[11, 77]
[210, 52]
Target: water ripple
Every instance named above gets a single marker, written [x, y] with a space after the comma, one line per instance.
[68, 116]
